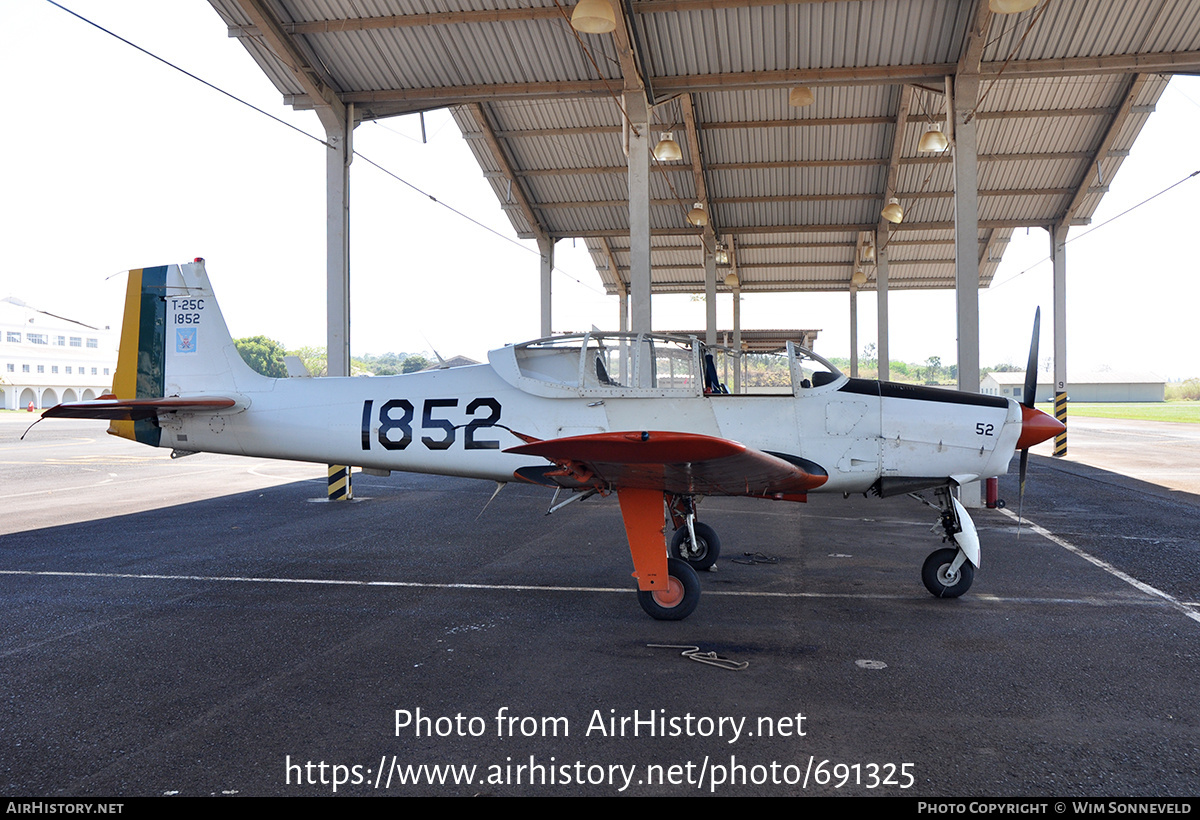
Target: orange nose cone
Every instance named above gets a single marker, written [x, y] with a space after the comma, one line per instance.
[1036, 427]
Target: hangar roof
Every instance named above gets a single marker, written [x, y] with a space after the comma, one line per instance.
[1065, 89]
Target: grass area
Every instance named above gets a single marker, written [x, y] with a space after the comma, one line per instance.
[1184, 411]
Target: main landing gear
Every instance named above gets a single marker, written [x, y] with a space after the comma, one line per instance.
[693, 542]
[949, 572]
[668, 587]
[680, 597]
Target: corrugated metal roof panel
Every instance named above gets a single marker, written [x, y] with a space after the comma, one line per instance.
[747, 169]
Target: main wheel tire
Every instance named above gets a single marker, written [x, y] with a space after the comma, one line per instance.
[707, 549]
[938, 579]
[679, 599]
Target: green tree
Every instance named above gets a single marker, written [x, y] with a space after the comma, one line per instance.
[263, 355]
[933, 371]
[414, 363]
[387, 364]
[313, 359]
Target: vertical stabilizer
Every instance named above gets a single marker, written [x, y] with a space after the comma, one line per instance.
[174, 343]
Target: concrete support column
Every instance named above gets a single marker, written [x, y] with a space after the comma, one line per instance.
[966, 232]
[881, 299]
[623, 326]
[710, 294]
[1058, 256]
[853, 332]
[639, 210]
[339, 132]
[737, 339]
[966, 245]
[546, 248]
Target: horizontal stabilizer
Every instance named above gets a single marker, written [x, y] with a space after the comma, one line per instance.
[674, 462]
[136, 409]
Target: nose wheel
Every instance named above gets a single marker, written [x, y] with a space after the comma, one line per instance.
[947, 573]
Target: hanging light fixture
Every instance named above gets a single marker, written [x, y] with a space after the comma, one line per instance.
[859, 278]
[800, 96]
[697, 215]
[668, 149]
[1011, 6]
[934, 139]
[721, 255]
[892, 212]
[593, 17]
[731, 280]
[867, 254]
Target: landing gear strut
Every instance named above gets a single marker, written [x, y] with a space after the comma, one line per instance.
[949, 572]
[693, 542]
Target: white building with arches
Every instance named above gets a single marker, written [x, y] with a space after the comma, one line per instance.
[47, 359]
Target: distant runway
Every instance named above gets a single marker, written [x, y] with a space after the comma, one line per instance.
[1157, 452]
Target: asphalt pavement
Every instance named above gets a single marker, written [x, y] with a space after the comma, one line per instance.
[209, 625]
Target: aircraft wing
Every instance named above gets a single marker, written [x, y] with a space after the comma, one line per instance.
[136, 409]
[673, 462]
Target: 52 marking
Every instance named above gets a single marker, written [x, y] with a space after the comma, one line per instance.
[395, 431]
[982, 429]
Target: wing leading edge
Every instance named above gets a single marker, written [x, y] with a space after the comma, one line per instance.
[681, 463]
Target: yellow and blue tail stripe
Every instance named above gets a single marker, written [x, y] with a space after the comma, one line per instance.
[141, 359]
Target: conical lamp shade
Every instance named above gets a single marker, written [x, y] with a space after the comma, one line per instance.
[668, 149]
[1010, 6]
[933, 140]
[892, 212]
[800, 96]
[593, 17]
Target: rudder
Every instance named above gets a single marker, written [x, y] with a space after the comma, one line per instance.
[174, 343]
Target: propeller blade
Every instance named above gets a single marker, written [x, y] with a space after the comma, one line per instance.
[1031, 368]
[1021, 489]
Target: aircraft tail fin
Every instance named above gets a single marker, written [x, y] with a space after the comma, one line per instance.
[174, 343]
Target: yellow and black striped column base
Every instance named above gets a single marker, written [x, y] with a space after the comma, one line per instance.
[1060, 413]
[339, 483]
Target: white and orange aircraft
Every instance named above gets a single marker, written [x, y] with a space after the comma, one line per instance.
[641, 415]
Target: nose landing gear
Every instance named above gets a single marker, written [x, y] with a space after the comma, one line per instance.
[950, 571]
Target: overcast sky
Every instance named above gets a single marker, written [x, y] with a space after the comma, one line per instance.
[112, 160]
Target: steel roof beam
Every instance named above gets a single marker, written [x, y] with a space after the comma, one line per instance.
[1172, 62]
[1094, 169]
[455, 18]
[523, 201]
[838, 266]
[319, 88]
[755, 125]
[1051, 156]
[793, 285]
[852, 228]
[797, 198]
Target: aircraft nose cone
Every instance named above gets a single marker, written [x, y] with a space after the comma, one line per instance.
[1036, 427]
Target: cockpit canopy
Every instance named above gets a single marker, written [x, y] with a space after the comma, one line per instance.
[649, 364]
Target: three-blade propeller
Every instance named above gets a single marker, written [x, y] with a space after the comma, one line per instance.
[1027, 400]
